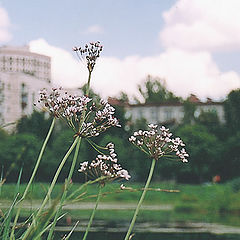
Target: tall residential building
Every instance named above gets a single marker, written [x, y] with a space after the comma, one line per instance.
[22, 75]
[21, 60]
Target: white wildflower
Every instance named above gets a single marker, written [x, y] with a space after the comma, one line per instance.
[159, 144]
[105, 165]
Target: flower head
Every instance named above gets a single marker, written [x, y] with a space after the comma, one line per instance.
[105, 165]
[79, 112]
[89, 53]
[158, 144]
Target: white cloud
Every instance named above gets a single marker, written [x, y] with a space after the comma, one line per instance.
[66, 70]
[94, 29]
[202, 25]
[185, 72]
[4, 26]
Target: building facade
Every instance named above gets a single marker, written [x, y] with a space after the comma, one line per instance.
[163, 113]
[22, 75]
[21, 60]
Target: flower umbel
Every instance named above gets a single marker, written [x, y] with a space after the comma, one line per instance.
[89, 53]
[70, 108]
[105, 165]
[158, 144]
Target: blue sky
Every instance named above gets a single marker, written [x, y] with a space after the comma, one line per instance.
[194, 45]
[128, 27]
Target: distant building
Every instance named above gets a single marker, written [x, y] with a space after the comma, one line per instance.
[22, 75]
[21, 60]
[172, 113]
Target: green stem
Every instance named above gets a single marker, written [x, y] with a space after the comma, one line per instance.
[65, 190]
[52, 185]
[33, 175]
[72, 166]
[88, 83]
[93, 213]
[141, 200]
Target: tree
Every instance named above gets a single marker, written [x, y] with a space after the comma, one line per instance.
[211, 121]
[59, 148]
[37, 124]
[154, 91]
[189, 110]
[230, 167]
[19, 151]
[205, 153]
[232, 111]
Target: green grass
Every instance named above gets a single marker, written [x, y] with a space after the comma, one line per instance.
[187, 192]
[204, 203]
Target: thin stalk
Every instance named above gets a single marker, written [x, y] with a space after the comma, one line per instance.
[57, 174]
[72, 166]
[70, 233]
[44, 230]
[88, 83]
[141, 200]
[96, 145]
[33, 175]
[65, 190]
[52, 185]
[85, 184]
[93, 213]
[95, 148]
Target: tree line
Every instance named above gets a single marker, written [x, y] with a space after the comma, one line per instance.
[214, 147]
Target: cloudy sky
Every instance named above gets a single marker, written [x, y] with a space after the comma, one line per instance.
[193, 44]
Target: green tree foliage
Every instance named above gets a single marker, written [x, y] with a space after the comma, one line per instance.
[189, 110]
[37, 124]
[230, 167]
[204, 150]
[232, 111]
[154, 90]
[210, 120]
[123, 97]
[53, 157]
[213, 147]
[19, 151]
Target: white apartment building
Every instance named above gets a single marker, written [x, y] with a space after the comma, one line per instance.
[21, 60]
[163, 113]
[22, 75]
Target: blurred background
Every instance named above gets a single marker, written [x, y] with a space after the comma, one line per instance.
[174, 63]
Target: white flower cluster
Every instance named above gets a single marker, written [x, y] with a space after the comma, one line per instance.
[62, 105]
[157, 144]
[103, 119]
[89, 53]
[105, 165]
[70, 108]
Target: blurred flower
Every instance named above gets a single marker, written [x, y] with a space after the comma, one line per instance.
[89, 53]
[70, 108]
[105, 165]
[158, 144]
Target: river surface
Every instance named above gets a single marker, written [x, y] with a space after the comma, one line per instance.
[150, 236]
[153, 231]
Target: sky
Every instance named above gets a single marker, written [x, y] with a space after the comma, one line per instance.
[194, 45]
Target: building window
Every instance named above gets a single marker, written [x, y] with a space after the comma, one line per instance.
[33, 97]
[1, 92]
[154, 114]
[24, 96]
[168, 115]
[140, 113]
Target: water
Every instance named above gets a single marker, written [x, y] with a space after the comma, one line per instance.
[150, 236]
[115, 230]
